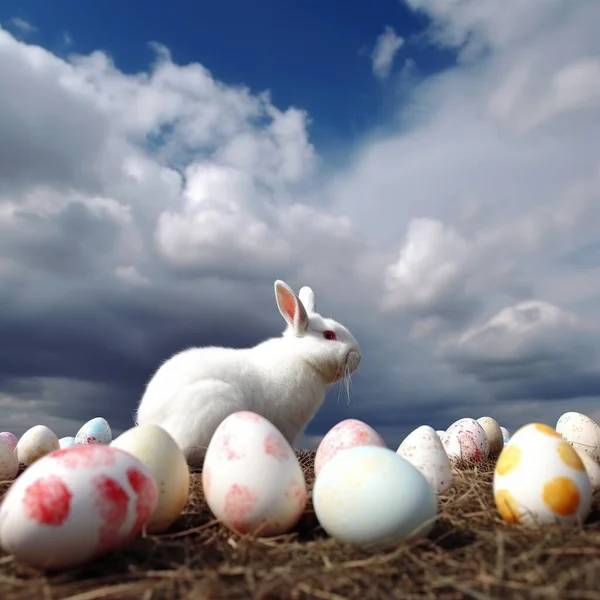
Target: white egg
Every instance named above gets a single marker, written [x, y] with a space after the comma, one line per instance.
[466, 442]
[370, 496]
[505, 435]
[346, 434]
[440, 433]
[95, 431]
[539, 478]
[252, 480]
[423, 449]
[9, 464]
[494, 434]
[592, 469]
[581, 432]
[67, 442]
[35, 443]
[161, 454]
[76, 504]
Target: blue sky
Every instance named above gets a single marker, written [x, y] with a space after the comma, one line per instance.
[447, 213]
[310, 54]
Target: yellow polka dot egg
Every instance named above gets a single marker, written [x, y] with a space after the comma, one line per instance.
[539, 478]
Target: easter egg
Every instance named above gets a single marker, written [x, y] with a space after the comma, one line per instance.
[252, 480]
[9, 464]
[11, 438]
[67, 442]
[346, 434]
[424, 450]
[581, 432]
[494, 435]
[505, 435]
[466, 443]
[76, 504]
[592, 468]
[35, 443]
[95, 431]
[440, 433]
[539, 478]
[165, 460]
[370, 496]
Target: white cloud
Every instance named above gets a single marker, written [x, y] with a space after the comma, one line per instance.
[386, 47]
[23, 26]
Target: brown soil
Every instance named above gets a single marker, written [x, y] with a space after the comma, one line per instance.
[470, 553]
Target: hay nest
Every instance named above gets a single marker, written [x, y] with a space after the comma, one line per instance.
[470, 553]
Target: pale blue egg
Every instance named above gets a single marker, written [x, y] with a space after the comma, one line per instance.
[95, 431]
[505, 435]
[67, 442]
[371, 496]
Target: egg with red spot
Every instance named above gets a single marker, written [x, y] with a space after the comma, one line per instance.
[95, 431]
[466, 443]
[252, 480]
[348, 433]
[76, 504]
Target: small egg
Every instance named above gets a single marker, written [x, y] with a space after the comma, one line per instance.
[95, 431]
[35, 443]
[581, 432]
[75, 505]
[370, 496]
[11, 438]
[494, 434]
[252, 480]
[161, 454]
[9, 464]
[592, 469]
[466, 442]
[539, 478]
[505, 435]
[424, 450]
[67, 442]
[346, 434]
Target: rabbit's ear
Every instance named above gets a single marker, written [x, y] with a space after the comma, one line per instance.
[291, 308]
[307, 297]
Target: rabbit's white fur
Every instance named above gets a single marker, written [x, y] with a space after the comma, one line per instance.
[283, 379]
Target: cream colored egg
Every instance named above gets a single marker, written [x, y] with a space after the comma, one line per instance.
[592, 468]
[160, 453]
[35, 443]
[539, 478]
[494, 434]
[9, 465]
[581, 432]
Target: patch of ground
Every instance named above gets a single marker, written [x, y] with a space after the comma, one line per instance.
[471, 553]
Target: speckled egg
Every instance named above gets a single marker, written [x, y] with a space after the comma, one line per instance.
[9, 437]
[346, 434]
[35, 443]
[466, 443]
[424, 450]
[592, 468]
[76, 504]
[370, 496]
[494, 434]
[9, 464]
[252, 480]
[581, 432]
[95, 431]
[539, 478]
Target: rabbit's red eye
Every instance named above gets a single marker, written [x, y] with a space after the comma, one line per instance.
[329, 335]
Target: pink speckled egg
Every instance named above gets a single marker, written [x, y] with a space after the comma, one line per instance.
[9, 437]
[424, 450]
[252, 480]
[346, 434]
[76, 504]
[466, 442]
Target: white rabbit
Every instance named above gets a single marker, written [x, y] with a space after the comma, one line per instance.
[284, 379]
